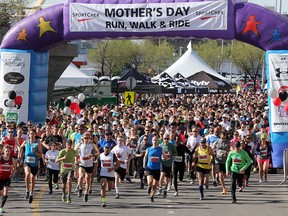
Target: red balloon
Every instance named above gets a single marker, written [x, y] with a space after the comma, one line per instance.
[18, 100]
[286, 107]
[73, 106]
[277, 101]
[77, 111]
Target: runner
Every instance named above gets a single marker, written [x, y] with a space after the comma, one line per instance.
[152, 162]
[123, 154]
[33, 151]
[108, 163]
[67, 158]
[204, 156]
[166, 168]
[52, 167]
[237, 162]
[7, 170]
[87, 152]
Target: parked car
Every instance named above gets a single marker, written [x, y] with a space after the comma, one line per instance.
[241, 79]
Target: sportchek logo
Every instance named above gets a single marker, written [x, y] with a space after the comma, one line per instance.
[82, 17]
[210, 14]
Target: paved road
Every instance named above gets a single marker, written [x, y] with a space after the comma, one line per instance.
[265, 199]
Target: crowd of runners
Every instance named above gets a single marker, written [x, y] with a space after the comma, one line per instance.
[157, 140]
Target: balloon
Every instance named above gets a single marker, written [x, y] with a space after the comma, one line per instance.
[283, 95]
[81, 97]
[76, 101]
[71, 98]
[18, 100]
[273, 93]
[67, 110]
[10, 103]
[73, 106]
[277, 101]
[286, 107]
[77, 111]
[82, 105]
[12, 95]
[67, 102]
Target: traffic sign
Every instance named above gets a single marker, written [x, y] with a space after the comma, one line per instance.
[129, 98]
[131, 83]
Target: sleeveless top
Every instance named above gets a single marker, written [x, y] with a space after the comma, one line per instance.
[5, 168]
[204, 158]
[30, 157]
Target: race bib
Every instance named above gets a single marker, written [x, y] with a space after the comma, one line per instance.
[154, 159]
[122, 162]
[52, 160]
[30, 159]
[263, 153]
[178, 158]
[67, 165]
[237, 161]
[203, 157]
[5, 167]
[106, 165]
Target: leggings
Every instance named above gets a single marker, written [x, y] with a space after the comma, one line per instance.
[55, 174]
[178, 167]
[248, 172]
[235, 177]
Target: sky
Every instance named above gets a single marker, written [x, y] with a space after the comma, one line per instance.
[259, 2]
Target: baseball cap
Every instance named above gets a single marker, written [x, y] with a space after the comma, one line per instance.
[206, 131]
[107, 145]
[101, 127]
[263, 136]
[108, 133]
[115, 114]
[203, 141]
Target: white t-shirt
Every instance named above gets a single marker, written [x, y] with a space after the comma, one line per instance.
[122, 153]
[193, 141]
[51, 156]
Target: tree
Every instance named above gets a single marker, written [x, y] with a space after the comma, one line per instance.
[9, 10]
[248, 58]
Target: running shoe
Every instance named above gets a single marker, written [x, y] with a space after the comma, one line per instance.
[149, 189]
[128, 179]
[164, 195]
[26, 196]
[206, 187]
[151, 199]
[234, 202]
[192, 181]
[117, 196]
[90, 191]
[240, 189]
[80, 192]
[159, 192]
[265, 180]
[2, 210]
[260, 181]
[50, 192]
[224, 192]
[255, 170]
[175, 194]
[214, 183]
[56, 186]
[85, 198]
[76, 189]
[30, 198]
[68, 199]
[103, 205]
[63, 198]
[201, 198]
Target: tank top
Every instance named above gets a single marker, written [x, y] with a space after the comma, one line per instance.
[154, 158]
[5, 168]
[84, 152]
[12, 144]
[30, 157]
[106, 162]
[204, 158]
[263, 153]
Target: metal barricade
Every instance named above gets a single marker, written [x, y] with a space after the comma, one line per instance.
[285, 165]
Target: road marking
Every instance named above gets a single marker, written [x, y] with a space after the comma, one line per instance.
[36, 201]
[168, 200]
[170, 212]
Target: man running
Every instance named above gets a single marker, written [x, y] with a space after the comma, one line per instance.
[33, 151]
[67, 158]
[7, 169]
[87, 151]
[152, 162]
[123, 154]
[108, 163]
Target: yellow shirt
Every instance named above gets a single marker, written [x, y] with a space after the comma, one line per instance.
[204, 158]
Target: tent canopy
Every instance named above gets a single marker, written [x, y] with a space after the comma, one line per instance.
[133, 73]
[188, 64]
[203, 79]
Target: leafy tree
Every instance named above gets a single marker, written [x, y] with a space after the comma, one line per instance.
[248, 58]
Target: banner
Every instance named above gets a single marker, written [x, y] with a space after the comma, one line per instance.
[148, 17]
[14, 82]
[278, 79]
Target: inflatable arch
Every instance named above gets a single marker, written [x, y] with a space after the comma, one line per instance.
[24, 49]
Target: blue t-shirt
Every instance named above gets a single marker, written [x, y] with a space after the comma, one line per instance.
[154, 158]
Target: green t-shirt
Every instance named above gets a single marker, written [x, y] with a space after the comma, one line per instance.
[237, 161]
[170, 151]
[69, 163]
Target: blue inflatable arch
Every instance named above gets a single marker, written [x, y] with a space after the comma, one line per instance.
[24, 49]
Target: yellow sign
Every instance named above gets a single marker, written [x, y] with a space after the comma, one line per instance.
[129, 97]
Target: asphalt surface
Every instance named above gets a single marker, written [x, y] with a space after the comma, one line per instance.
[269, 198]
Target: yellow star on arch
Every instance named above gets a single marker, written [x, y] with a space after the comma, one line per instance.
[44, 26]
[22, 35]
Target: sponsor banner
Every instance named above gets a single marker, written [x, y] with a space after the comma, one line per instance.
[12, 117]
[148, 17]
[14, 82]
[278, 72]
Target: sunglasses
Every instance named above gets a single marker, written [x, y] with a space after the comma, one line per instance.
[166, 138]
[86, 138]
[10, 132]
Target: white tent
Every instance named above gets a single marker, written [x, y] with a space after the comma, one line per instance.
[188, 64]
[73, 77]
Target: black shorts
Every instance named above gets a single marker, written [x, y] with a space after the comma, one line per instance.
[122, 172]
[202, 170]
[33, 170]
[166, 170]
[220, 167]
[88, 169]
[5, 183]
[154, 173]
[108, 178]
[65, 176]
